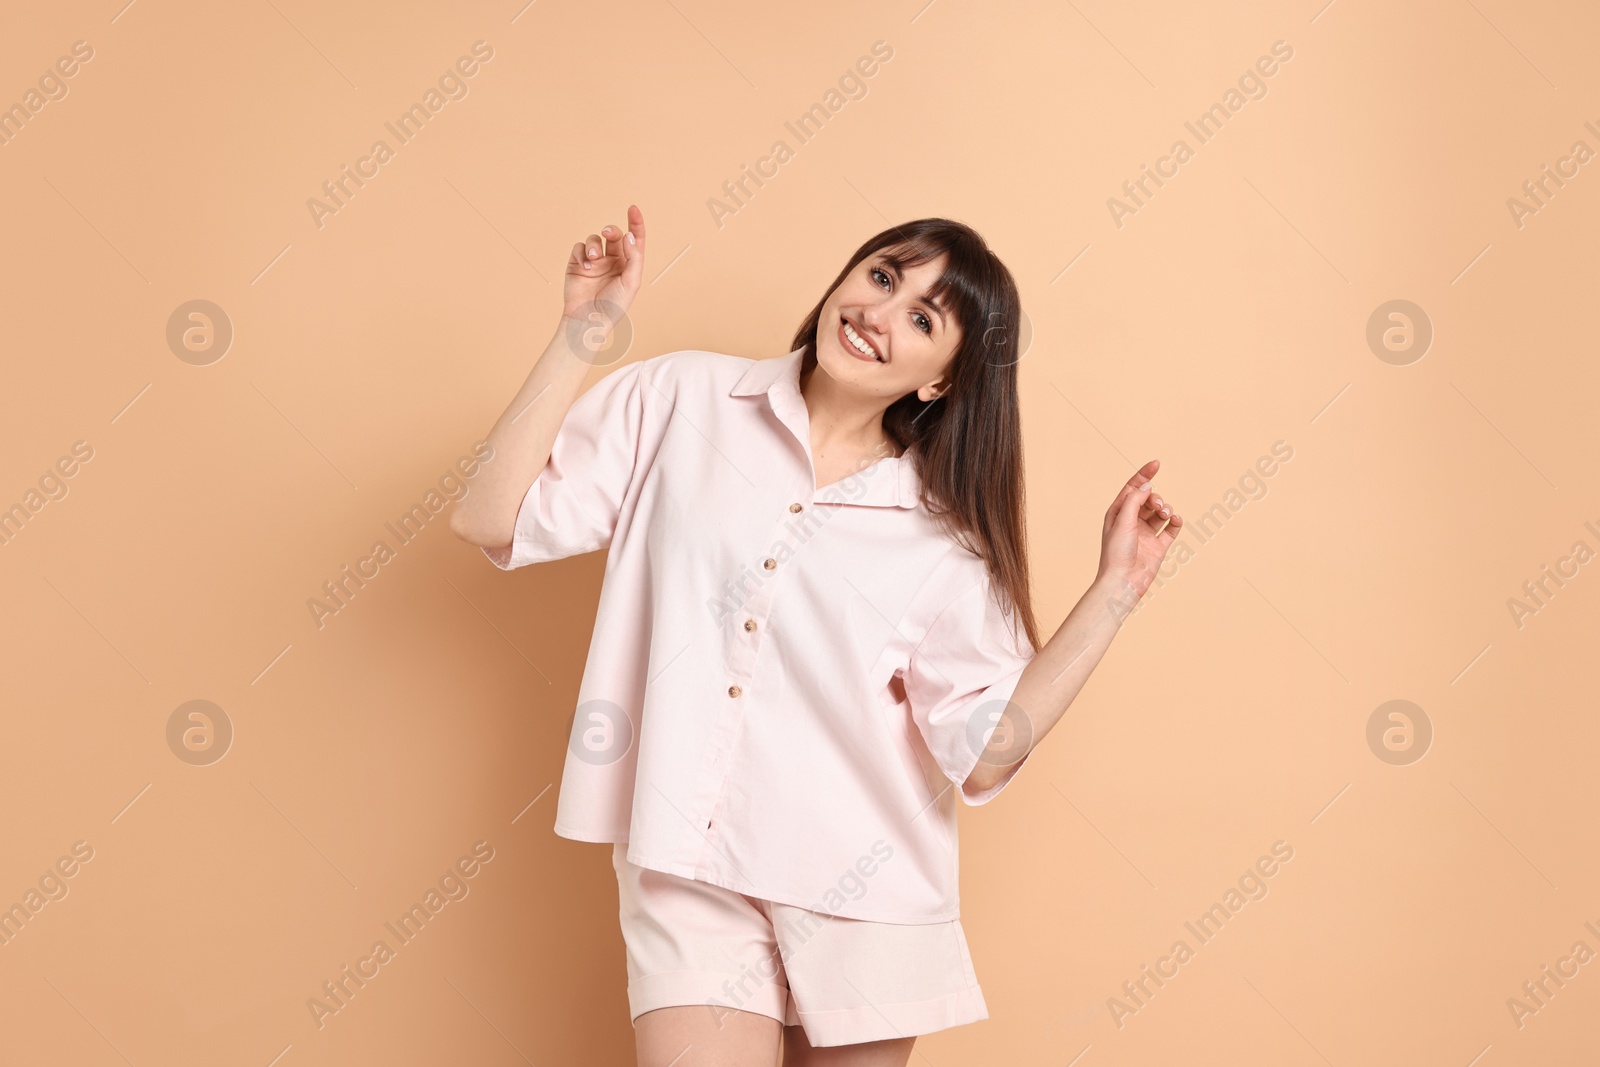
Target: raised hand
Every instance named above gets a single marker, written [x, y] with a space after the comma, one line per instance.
[603, 275]
[1139, 527]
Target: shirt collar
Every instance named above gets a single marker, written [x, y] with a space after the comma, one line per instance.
[890, 482]
[764, 374]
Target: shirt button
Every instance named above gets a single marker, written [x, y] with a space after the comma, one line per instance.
[769, 563]
[749, 624]
[794, 507]
[734, 690]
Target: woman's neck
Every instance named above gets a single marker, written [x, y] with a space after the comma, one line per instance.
[842, 423]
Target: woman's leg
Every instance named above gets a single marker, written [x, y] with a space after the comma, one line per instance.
[797, 1052]
[695, 1036]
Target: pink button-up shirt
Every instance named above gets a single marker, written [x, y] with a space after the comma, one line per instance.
[738, 721]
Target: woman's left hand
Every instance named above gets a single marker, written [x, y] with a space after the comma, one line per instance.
[1139, 527]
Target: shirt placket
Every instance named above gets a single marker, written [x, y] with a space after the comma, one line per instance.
[747, 629]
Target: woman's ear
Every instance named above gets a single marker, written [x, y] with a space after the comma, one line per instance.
[934, 390]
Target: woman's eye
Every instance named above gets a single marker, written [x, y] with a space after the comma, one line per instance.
[925, 324]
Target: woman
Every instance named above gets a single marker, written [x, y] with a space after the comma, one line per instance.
[814, 635]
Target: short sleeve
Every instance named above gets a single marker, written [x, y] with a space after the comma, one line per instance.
[960, 678]
[572, 506]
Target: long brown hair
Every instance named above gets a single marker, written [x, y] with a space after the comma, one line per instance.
[967, 443]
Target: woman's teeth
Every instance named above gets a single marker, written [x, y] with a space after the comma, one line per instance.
[860, 343]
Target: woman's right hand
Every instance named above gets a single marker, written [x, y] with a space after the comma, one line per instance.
[603, 275]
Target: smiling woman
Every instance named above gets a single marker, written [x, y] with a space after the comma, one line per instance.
[884, 670]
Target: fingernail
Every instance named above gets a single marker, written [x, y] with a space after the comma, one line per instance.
[631, 240]
[1143, 487]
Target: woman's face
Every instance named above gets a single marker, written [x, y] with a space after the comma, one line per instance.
[913, 340]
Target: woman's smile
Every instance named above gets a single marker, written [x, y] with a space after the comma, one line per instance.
[851, 340]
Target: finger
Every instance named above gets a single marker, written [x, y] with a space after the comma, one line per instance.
[636, 225]
[594, 247]
[1128, 514]
[1140, 477]
[576, 261]
[611, 260]
[618, 251]
[633, 249]
[1145, 473]
[1155, 507]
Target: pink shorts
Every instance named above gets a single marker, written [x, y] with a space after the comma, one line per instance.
[844, 980]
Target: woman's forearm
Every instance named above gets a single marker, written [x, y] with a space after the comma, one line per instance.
[522, 439]
[1053, 678]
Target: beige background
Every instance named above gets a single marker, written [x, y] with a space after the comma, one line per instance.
[1228, 313]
